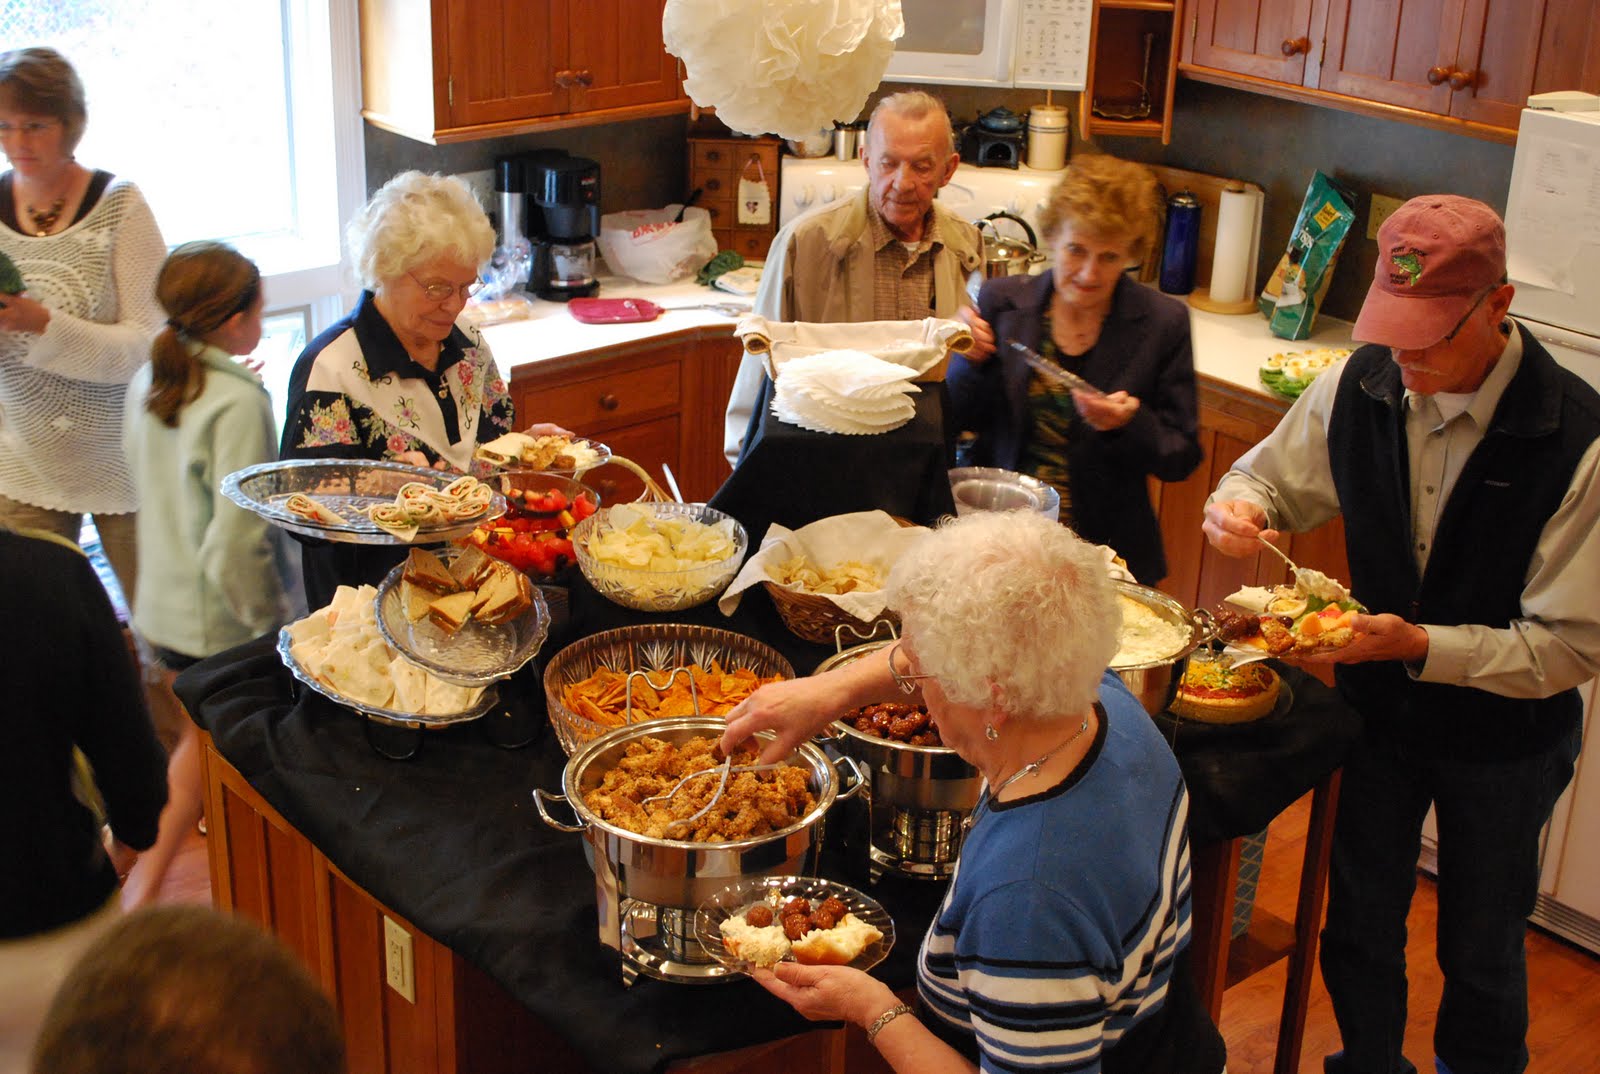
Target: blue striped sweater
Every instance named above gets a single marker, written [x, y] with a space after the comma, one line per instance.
[1060, 927]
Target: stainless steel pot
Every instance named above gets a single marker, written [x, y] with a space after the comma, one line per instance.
[1156, 683]
[1003, 256]
[918, 795]
[675, 872]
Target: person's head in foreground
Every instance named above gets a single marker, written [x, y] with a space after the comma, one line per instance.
[1101, 217]
[1439, 294]
[417, 245]
[910, 152]
[187, 989]
[1008, 618]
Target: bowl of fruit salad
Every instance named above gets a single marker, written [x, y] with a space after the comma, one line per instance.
[535, 533]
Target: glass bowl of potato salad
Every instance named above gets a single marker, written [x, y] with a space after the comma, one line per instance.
[660, 557]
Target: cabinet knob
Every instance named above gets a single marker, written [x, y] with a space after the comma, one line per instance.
[583, 76]
[565, 79]
[609, 402]
[606, 487]
[1439, 75]
[1295, 46]
[713, 184]
[713, 154]
[1460, 80]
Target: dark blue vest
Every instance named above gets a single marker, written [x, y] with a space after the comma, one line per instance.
[1509, 488]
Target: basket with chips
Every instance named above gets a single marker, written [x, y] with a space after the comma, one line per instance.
[590, 688]
[804, 600]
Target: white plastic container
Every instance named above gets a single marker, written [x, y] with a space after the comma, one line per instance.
[988, 488]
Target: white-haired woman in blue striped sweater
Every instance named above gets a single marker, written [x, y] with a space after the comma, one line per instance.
[1061, 942]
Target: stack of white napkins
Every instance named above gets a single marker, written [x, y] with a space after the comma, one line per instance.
[844, 391]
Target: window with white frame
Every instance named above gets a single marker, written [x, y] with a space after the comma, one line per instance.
[239, 120]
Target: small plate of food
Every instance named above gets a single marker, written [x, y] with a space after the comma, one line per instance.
[765, 920]
[1291, 372]
[551, 453]
[1312, 615]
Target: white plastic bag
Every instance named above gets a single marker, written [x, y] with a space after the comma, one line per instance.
[652, 246]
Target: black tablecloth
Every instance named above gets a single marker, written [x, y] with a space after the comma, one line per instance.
[1240, 776]
[451, 841]
[793, 476]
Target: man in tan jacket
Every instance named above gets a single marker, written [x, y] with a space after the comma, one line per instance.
[890, 253]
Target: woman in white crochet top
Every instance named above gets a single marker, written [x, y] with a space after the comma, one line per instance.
[88, 250]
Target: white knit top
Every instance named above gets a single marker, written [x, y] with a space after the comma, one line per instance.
[61, 393]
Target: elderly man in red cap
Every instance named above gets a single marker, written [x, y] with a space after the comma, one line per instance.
[1464, 461]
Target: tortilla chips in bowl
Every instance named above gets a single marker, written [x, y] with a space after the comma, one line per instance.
[588, 692]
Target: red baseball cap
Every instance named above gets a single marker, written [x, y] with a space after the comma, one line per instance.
[1437, 256]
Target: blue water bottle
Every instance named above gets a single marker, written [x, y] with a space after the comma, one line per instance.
[1182, 247]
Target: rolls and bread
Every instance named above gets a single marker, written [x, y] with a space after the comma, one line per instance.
[473, 586]
[826, 934]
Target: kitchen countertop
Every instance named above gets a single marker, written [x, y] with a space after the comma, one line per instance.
[552, 331]
[1227, 348]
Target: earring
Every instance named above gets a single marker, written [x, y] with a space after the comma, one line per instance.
[990, 733]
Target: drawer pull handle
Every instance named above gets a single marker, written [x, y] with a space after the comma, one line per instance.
[713, 184]
[609, 402]
[1294, 46]
[713, 154]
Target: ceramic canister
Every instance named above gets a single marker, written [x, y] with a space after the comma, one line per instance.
[1047, 137]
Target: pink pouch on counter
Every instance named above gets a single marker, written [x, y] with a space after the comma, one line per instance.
[613, 310]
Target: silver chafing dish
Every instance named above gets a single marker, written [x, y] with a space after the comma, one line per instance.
[1155, 682]
[647, 889]
[918, 797]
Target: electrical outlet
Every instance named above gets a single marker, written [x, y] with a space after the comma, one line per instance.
[482, 184]
[399, 969]
[1382, 208]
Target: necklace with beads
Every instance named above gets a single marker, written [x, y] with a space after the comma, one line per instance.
[44, 221]
[1033, 766]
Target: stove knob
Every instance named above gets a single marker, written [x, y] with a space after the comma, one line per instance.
[804, 195]
[828, 194]
[1015, 204]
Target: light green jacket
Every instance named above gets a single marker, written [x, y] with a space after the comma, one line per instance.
[209, 577]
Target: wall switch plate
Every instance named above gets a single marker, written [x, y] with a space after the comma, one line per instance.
[1383, 207]
[399, 968]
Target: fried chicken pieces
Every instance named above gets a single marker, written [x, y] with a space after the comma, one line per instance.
[754, 803]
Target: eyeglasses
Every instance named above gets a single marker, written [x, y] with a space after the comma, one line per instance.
[1470, 310]
[31, 129]
[441, 290]
[906, 681]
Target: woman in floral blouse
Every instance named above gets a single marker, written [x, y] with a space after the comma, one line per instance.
[397, 378]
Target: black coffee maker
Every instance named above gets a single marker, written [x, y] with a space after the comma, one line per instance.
[563, 219]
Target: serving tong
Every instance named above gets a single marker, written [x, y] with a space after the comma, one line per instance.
[1053, 372]
[727, 768]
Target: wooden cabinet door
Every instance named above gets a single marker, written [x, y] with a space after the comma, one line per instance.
[1510, 49]
[502, 60]
[1262, 38]
[617, 56]
[1394, 51]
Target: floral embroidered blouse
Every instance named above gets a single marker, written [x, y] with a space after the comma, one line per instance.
[356, 394]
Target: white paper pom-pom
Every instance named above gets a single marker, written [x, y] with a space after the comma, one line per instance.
[788, 69]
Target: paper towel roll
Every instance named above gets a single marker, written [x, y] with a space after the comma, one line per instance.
[1230, 261]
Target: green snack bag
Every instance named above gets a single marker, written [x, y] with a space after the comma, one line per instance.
[1296, 287]
[10, 277]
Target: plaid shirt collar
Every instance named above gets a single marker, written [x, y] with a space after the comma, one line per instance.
[882, 236]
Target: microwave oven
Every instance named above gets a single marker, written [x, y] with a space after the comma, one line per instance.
[1027, 44]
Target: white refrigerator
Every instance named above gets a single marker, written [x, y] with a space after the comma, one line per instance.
[1553, 255]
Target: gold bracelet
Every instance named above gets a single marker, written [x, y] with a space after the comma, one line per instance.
[885, 1018]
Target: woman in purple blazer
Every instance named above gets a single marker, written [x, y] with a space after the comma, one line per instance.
[1097, 448]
